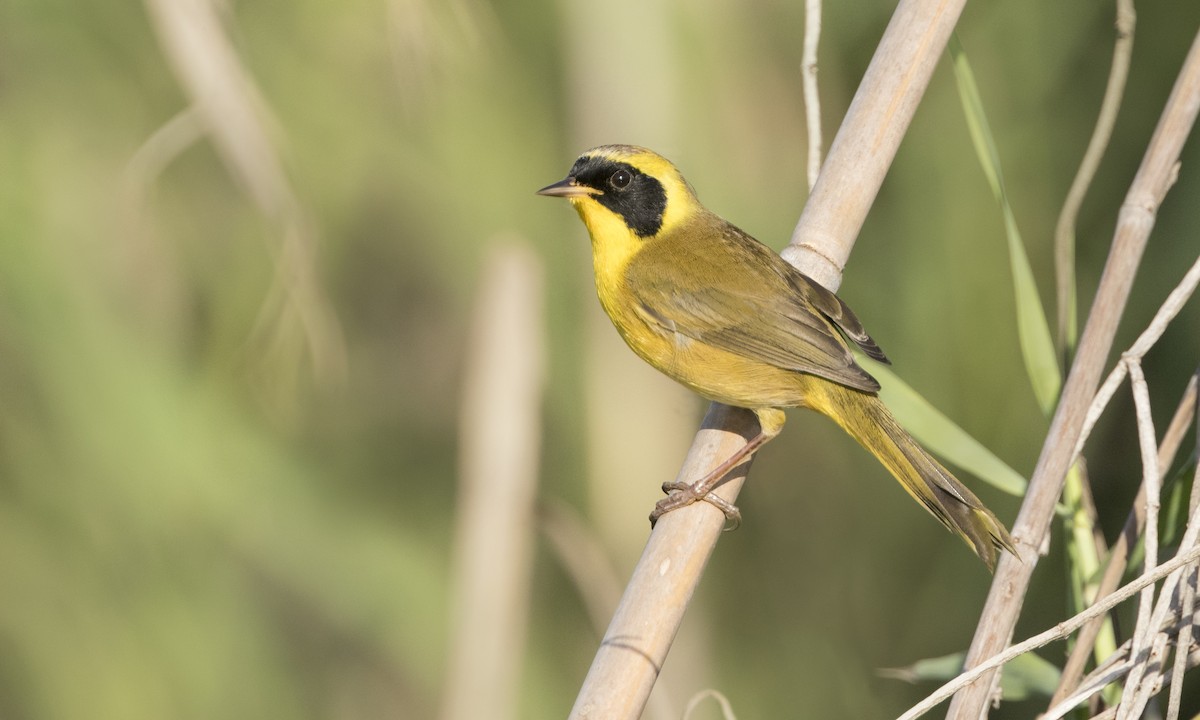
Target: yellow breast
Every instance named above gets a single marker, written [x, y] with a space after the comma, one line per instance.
[614, 245]
[713, 373]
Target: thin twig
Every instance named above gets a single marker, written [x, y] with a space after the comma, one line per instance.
[1146, 668]
[1182, 644]
[868, 137]
[1119, 556]
[1169, 601]
[1084, 523]
[233, 113]
[1145, 678]
[1057, 632]
[641, 632]
[1143, 634]
[583, 556]
[1116, 667]
[1170, 308]
[160, 150]
[1093, 684]
[812, 98]
[151, 268]
[1112, 669]
[722, 702]
[1136, 219]
[1064, 232]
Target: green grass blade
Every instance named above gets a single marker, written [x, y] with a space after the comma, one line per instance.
[1027, 676]
[1037, 345]
[941, 435]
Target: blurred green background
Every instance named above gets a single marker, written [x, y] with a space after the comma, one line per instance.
[233, 338]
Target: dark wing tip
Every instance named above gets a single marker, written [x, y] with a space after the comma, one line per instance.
[836, 311]
[872, 350]
[863, 380]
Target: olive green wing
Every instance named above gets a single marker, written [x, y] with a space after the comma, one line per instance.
[836, 311]
[734, 293]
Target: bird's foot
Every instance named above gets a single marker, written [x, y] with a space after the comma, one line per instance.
[680, 494]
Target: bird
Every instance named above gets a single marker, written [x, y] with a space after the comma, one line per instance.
[713, 308]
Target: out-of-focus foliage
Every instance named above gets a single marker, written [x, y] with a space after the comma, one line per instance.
[1027, 675]
[198, 519]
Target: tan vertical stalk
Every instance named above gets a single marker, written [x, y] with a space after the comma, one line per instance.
[1134, 222]
[665, 578]
[500, 431]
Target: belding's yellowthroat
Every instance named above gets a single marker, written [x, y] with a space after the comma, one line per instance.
[718, 311]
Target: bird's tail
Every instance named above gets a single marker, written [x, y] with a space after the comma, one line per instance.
[867, 420]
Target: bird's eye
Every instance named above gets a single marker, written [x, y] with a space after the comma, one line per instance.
[620, 179]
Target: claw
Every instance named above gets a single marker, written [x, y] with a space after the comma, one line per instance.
[682, 494]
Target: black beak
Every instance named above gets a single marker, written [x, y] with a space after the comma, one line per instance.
[568, 188]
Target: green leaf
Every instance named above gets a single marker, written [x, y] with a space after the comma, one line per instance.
[1025, 676]
[1037, 345]
[1167, 530]
[1177, 488]
[941, 435]
[938, 668]
[1029, 675]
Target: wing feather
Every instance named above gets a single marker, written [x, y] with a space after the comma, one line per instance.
[751, 303]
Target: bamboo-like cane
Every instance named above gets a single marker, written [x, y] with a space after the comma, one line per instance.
[640, 634]
[1136, 219]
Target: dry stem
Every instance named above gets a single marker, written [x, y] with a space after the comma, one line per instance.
[1090, 617]
[1064, 231]
[672, 563]
[226, 102]
[812, 99]
[1119, 556]
[1135, 221]
[500, 427]
[1057, 632]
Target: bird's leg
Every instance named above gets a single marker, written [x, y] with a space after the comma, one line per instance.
[682, 494]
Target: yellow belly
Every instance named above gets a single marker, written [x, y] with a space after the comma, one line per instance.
[711, 372]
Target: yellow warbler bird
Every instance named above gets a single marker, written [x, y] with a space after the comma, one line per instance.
[718, 311]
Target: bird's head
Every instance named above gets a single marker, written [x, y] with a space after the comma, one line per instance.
[626, 189]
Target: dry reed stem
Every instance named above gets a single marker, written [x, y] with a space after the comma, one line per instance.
[1182, 643]
[150, 267]
[1143, 636]
[1065, 282]
[641, 632]
[1115, 569]
[235, 117]
[1151, 482]
[158, 152]
[1147, 666]
[867, 139]
[1172, 440]
[1158, 325]
[582, 555]
[1113, 668]
[808, 80]
[722, 702]
[1150, 665]
[500, 430]
[1064, 231]
[1174, 303]
[1135, 220]
[1057, 632]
